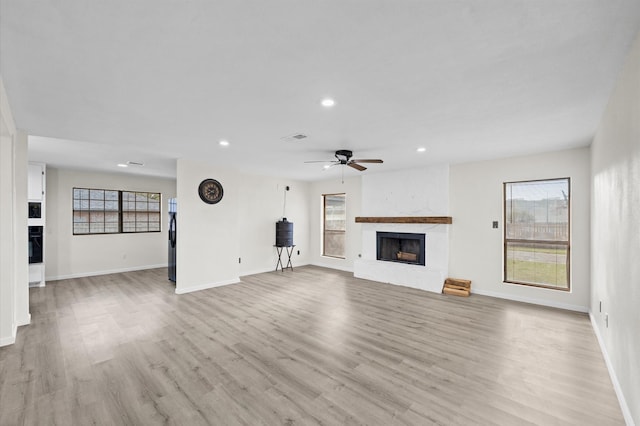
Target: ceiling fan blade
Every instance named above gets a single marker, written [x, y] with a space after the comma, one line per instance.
[330, 166]
[356, 166]
[367, 161]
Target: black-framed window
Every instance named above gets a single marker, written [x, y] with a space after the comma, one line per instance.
[106, 211]
[334, 225]
[140, 211]
[536, 233]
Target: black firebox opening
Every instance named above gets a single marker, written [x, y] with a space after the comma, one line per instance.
[401, 247]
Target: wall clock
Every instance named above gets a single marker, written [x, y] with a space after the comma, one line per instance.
[210, 191]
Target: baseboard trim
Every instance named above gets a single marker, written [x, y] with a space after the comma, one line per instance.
[10, 340]
[626, 412]
[6, 341]
[324, 265]
[551, 304]
[25, 321]
[107, 272]
[255, 272]
[264, 271]
[206, 286]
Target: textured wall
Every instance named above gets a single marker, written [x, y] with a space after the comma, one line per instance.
[615, 231]
[476, 201]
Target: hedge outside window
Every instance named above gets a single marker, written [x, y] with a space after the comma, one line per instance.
[536, 234]
[103, 211]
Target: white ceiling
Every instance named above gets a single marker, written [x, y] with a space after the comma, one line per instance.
[153, 81]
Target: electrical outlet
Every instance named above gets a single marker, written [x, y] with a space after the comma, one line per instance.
[495, 224]
[601, 306]
[606, 320]
[239, 260]
[298, 252]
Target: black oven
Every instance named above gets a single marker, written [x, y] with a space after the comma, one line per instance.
[35, 244]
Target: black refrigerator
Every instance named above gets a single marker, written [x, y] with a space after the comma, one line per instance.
[173, 210]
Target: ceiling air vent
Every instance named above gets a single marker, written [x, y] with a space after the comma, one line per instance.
[295, 137]
[135, 163]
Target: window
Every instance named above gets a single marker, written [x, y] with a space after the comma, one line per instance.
[140, 211]
[95, 211]
[334, 225]
[103, 211]
[536, 233]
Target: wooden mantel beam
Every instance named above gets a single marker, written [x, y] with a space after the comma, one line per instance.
[445, 220]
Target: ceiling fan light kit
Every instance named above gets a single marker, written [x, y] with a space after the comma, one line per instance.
[343, 157]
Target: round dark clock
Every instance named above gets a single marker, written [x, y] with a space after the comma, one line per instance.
[210, 191]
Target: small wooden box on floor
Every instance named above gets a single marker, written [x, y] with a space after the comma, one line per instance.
[457, 287]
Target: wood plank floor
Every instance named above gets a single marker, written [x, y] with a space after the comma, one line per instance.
[312, 346]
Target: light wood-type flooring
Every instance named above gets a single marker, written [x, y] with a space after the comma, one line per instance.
[312, 346]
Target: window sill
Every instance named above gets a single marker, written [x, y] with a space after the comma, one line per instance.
[548, 287]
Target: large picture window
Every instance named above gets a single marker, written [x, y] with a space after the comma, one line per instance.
[536, 233]
[334, 225]
[104, 211]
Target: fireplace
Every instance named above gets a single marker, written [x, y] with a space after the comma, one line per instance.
[401, 247]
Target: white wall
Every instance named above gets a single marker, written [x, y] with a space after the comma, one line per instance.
[261, 206]
[21, 229]
[14, 297]
[69, 255]
[211, 238]
[8, 324]
[615, 233]
[477, 200]
[207, 234]
[352, 188]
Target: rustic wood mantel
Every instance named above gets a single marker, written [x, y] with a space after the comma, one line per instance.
[445, 220]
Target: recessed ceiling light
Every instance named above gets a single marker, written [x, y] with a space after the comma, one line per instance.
[123, 165]
[224, 143]
[326, 166]
[421, 149]
[328, 102]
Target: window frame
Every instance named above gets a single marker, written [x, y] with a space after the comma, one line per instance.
[324, 230]
[135, 212]
[120, 212]
[565, 244]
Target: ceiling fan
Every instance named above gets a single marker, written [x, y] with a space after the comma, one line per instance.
[343, 157]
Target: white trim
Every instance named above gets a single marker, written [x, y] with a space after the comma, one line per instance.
[27, 321]
[263, 271]
[255, 272]
[207, 286]
[111, 271]
[6, 341]
[542, 302]
[6, 115]
[339, 268]
[626, 412]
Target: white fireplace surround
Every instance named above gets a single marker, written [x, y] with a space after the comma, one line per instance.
[417, 192]
[429, 277]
